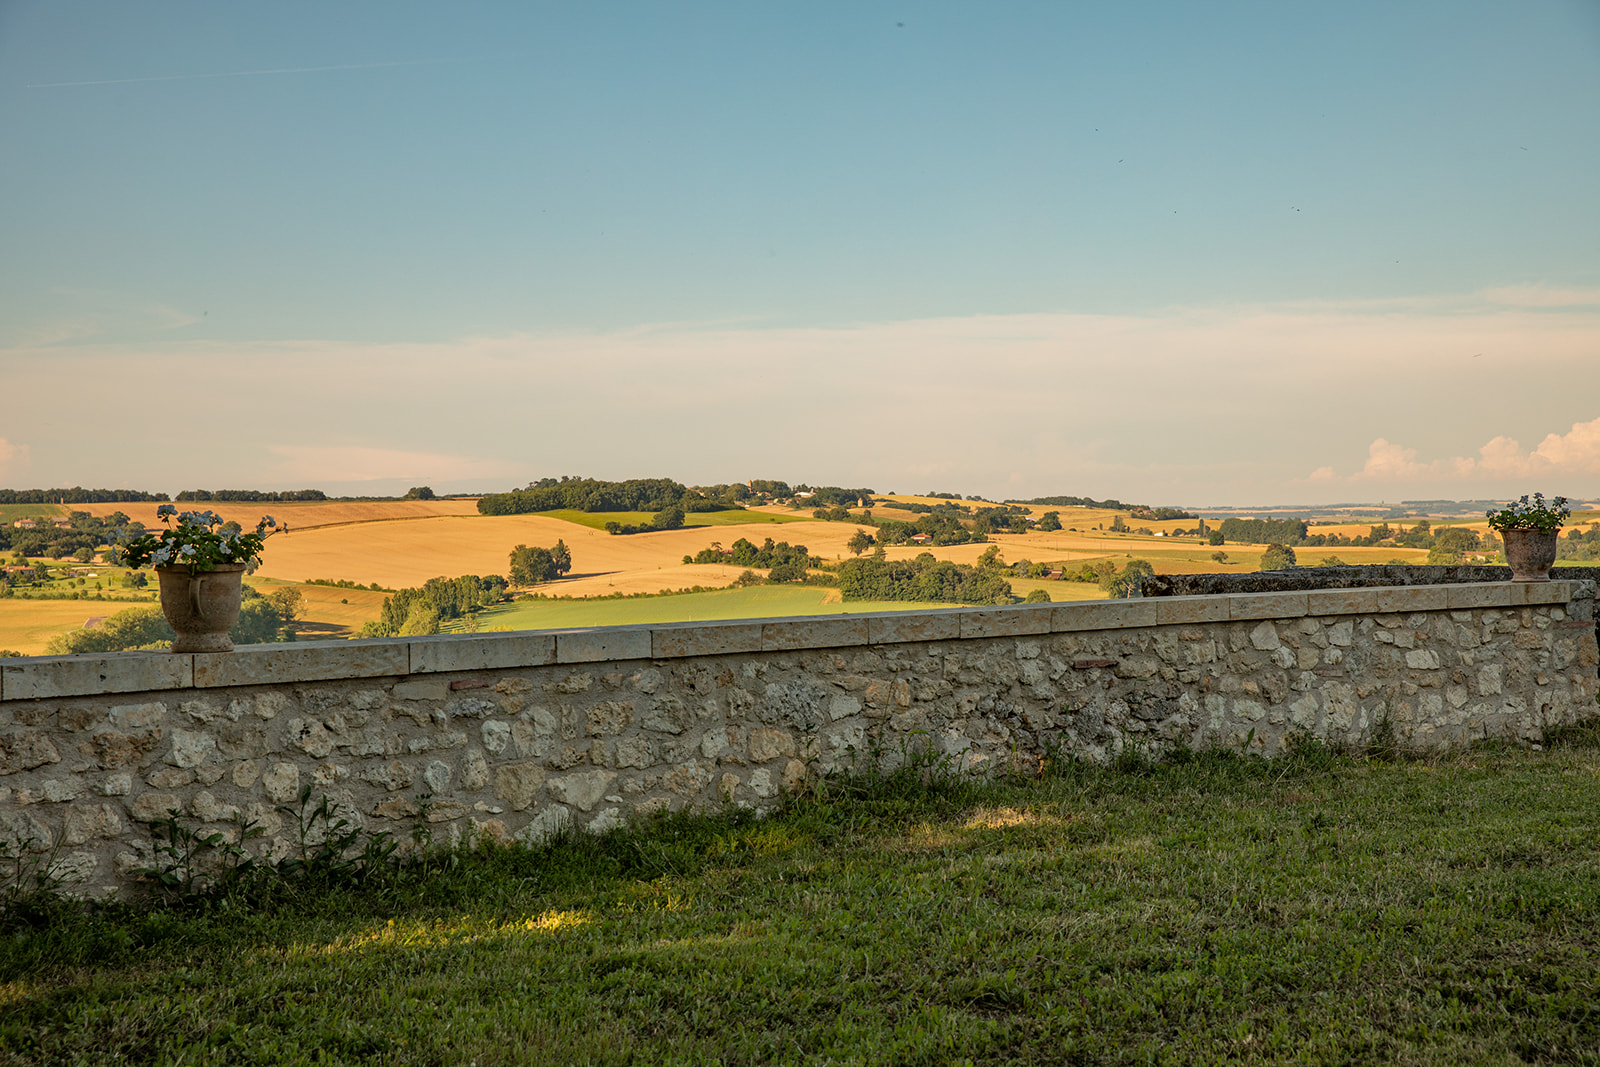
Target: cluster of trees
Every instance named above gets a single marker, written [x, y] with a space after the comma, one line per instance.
[84, 535]
[1139, 511]
[835, 496]
[942, 529]
[530, 566]
[420, 611]
[79, 495]
[1580, 544]
[419, 492]
[669, 518]
[1077, 502]
[262, 620]
[590, 494]
[250, 495]
[787, 562]
[923, 579]
[1126, 581]
[1263, 531]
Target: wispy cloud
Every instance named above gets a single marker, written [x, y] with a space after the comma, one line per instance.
[356, 463]
[233, 74]
[1185, 405]
[13, 459]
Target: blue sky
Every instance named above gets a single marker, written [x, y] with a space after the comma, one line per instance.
[1184, 253]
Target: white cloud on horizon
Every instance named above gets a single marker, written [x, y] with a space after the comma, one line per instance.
[1574, 454]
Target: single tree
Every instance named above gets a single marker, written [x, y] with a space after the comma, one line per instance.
[561, 558]
[859, 542]
[1220, 557]
[1277, 558]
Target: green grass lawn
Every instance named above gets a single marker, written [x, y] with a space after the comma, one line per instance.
[1309, 910]
[751, 602]
[596, 520]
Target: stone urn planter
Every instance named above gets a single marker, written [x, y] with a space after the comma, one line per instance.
[201, 608]
[1530, 553]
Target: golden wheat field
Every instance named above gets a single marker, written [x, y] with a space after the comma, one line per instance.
[404, 543]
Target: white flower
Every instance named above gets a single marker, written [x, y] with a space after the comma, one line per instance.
[162, 555]
[186, 550]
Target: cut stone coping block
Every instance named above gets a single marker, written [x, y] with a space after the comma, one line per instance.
[43, 677]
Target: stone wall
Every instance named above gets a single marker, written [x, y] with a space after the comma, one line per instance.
[513, 736]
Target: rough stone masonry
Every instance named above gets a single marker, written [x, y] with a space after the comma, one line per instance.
[511, 737]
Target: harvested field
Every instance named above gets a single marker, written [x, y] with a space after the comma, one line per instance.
[755, 602]
[299, 514]
[28, 625]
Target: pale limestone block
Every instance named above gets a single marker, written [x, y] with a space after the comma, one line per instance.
[437, 777]
[74, 869]
[207, 808]
[610, 717]
[61, 790]
[169, 778]
[204, 711]
[1478, 595]
[1552, 592]
[421, 689]
[1103, 615]
[635, 752]
[1182, 610]
[518, 784]
[1326, 602]
[1341, 633]
[779, 635]
[474, 771]
[281, 782]
[688, 779]
[1006, 622]
[191, 748]
[149, 807]
[767, 744]
[1303, 712]
[761, 783]
[604, 644]
[1412, 598]
[794, 776]
[905, 627]
[271, 704]
[392, 776]
[310, 736]
[480, 652]
[26, 749]
[87, 822]
[132, 717]
[446, 811]
[116, 785]
[704, 639]
[582, 790]
[1247, 606]
[496, 735]
[547, 824]
[575, 682]
[728, 786]
[1264, 638]
[41, 677]
[303, 661]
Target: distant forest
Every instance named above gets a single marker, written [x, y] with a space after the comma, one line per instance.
[79, 495]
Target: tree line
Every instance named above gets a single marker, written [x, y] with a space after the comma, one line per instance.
[250, 495]
[79, 495]
[922, 579]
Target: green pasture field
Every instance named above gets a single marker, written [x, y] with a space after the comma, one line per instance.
[10, 513]
[1060, 592]
[596, 520]
[1219, 909]
[751, 602]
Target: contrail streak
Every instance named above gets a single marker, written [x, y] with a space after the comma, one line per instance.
[236, 74]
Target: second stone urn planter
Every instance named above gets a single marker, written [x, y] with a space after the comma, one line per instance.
[201, 608]
[1530, 553]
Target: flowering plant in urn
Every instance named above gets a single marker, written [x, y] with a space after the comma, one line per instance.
[1529, 531]
[200, 562]
[200, 542]
[1522, 515]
